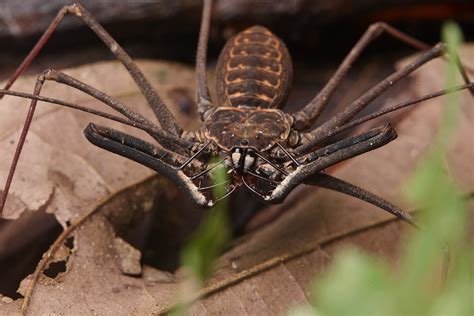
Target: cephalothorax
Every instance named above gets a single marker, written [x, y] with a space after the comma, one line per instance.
[235, 130]
[265, 149]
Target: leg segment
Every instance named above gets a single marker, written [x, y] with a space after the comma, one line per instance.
[202, 91]
[330, 155]
[37, 48]
[386, 110]
[79, 108]
[360, 103]
[164, 116]
[332, 183]
[308, 115]
[21, 142]
[167, 140]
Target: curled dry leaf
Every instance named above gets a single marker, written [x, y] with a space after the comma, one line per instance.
[128, 257]
[267, 271]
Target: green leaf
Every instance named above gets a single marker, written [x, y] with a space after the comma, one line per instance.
[206, 245]
[212, 235]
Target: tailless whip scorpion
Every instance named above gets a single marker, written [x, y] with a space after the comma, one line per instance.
[266, 150]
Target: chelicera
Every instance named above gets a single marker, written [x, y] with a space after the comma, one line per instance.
[266, 150]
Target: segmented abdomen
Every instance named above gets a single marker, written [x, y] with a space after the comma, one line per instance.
[254, 69]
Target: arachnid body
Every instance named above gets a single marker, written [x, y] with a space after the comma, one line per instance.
[266, 150]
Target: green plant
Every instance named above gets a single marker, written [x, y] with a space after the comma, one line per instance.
[208, 242]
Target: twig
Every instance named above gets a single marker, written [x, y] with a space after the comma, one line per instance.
[266, 265]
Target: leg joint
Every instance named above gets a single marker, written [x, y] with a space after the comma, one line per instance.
[49, 74]
[441, 47]
[74, 8]
[301, 121]
[377, 28]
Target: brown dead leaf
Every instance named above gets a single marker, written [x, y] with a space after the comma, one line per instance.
[59, 171]
[58, 157]
[268, 271]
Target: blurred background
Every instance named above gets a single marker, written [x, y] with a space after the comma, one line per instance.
[317, 32]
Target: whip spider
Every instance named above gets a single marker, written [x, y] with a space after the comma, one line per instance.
[266, 150]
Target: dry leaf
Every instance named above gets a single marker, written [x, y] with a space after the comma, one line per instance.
[59, 171]
[58, 156]
[259, 274]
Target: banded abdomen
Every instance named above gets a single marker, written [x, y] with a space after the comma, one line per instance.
[254, 69]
